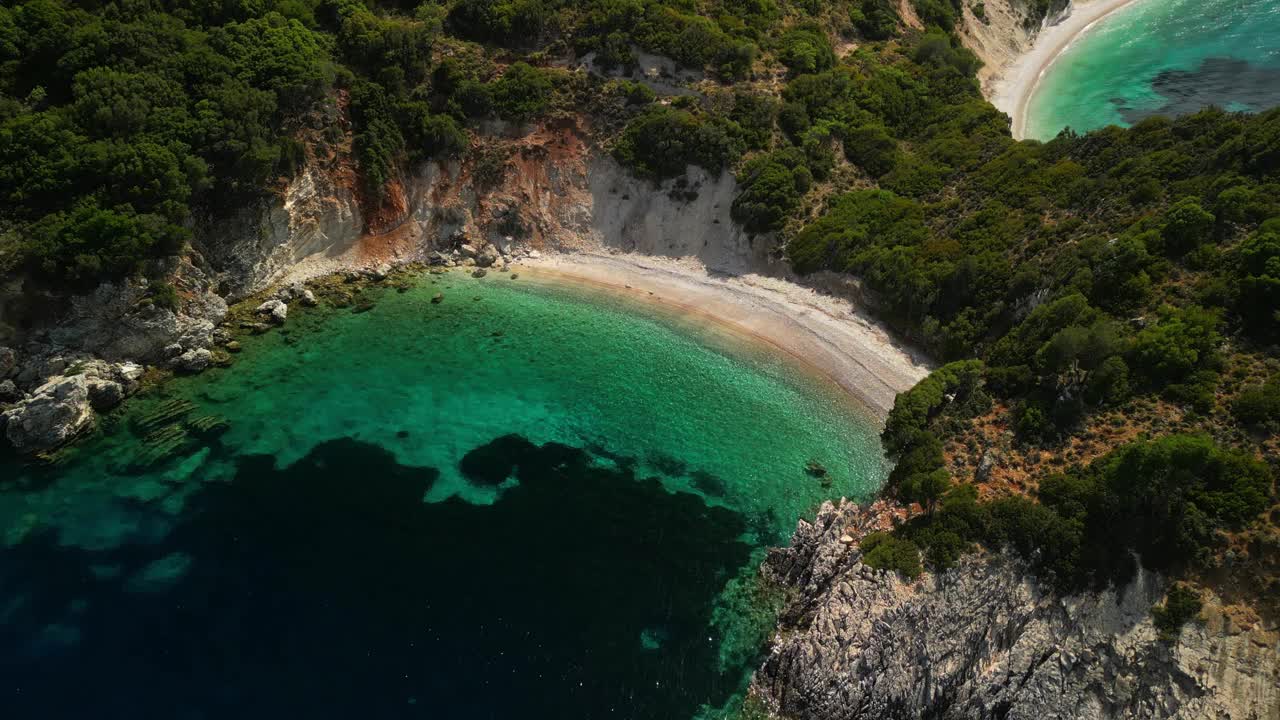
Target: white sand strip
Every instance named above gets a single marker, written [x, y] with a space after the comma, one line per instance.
[827, 334]
[1012, 93]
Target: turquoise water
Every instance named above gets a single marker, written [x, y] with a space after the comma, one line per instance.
[1166, 57]
[527, 500]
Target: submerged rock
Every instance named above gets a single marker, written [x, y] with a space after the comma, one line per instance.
[479, 273]
[437, 298]
[51, 416]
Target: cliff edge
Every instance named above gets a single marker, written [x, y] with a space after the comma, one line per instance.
[987, 640]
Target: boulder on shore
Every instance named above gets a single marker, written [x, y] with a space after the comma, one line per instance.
[276, 308]
[105, 394]
[51, 416]
[193, 361]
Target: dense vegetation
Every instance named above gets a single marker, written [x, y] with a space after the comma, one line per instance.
[1065, 283]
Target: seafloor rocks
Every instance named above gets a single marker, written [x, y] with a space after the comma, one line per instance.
[51, 416]
[276, 309]
[9, 392]
[987, 640]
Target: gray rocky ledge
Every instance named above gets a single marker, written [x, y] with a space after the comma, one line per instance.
[987, 640]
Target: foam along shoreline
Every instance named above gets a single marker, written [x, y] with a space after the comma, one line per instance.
[823, 333]
[1013, 91]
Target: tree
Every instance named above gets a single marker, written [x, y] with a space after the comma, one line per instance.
[1186, 226]
[1257, 278]
[876, 19]
[772, 186]
[523, 92]
[872, 148]
[1258, 406]
[1181, 342]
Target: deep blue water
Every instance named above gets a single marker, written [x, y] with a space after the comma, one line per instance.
[301, 598]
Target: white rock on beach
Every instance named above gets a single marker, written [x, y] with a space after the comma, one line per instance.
[51, 416]
[193, 361]
[276, 308]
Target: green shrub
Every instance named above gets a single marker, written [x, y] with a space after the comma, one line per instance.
[1258, 406]
[772, 187]
[662, 141]
[523, 92]
[883, 551]
[1181, 606]
[872, 148]
[165, 295]
[876, 19]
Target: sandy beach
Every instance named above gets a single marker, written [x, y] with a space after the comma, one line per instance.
[824, 333]
[1012, 92]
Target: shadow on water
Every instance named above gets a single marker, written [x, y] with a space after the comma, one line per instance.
[1220, 82]
[329, 589]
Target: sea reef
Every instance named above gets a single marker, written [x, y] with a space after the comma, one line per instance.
[986, 639]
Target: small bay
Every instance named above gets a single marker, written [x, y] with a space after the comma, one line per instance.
[529, 500]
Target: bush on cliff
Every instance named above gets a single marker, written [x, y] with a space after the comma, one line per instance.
[883, 551]
[1181, 606]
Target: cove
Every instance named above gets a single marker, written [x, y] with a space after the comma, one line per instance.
[1162, 57]
[529, 500]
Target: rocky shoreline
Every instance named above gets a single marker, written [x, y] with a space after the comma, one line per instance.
[982, 640]
[987, 640]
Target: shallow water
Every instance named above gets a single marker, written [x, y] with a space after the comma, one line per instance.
[1162, 57]
[528, 501]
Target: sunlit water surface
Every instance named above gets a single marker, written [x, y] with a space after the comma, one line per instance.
[525, 501]
[1162, 57]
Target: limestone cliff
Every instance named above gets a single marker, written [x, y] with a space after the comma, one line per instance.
[544, 188]
[987, 640]
[1004, 30]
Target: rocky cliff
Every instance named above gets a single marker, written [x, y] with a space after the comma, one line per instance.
[987, 640]
[1004, 30]
[517, 190]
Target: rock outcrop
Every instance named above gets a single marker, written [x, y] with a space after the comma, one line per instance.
[275, 309]
[987, 640]
[1004, 31]
[116, 322]
[51, 416]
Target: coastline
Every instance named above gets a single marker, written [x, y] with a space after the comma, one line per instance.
[1012, 92]
[819, 332]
